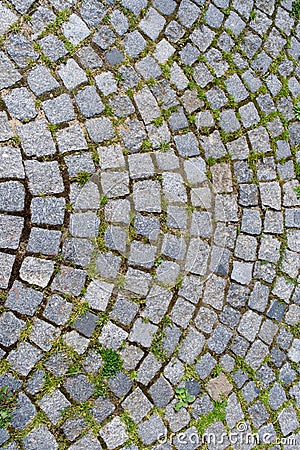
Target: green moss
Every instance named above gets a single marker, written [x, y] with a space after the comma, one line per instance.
[296, 9]
[112, 362]
[6, 406]
[218, 413]
[82, 178]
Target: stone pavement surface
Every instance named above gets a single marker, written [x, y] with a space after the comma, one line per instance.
[149, 224]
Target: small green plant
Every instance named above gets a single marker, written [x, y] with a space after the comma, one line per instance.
[253, 14]
[103, 200]
[297, 111]
[82, 178]
[158, 121]
[184, 398]
[297, 190]
[5, 407]
[296, 9]
[112, 362]
[218, 413]
[164, 147]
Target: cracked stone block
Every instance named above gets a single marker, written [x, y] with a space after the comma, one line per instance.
[24, 358]
[53, 405]
[59, 110]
